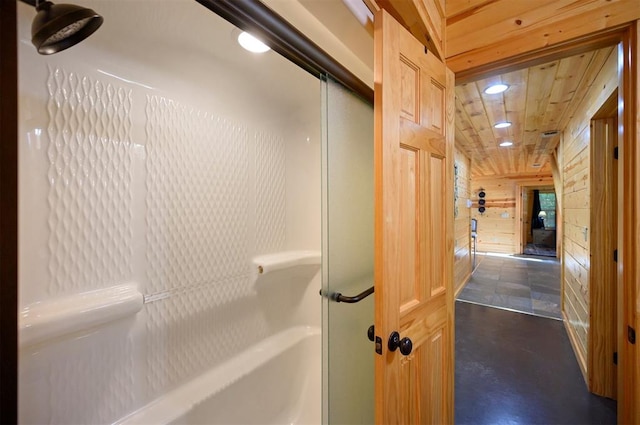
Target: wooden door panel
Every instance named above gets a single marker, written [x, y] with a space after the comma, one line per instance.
[409, 172]
[417, 136]
[423, 393]
[413, 164]
[436, 106]
[436, 202]
[422, 102]
[410, 89]
[419, 325]
[435, 352]
[412, 382]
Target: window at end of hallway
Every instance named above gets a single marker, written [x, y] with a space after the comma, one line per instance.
[548, 206]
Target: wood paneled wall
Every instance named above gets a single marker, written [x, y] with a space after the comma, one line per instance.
[462, 243]
[576, 201]
[499, 227]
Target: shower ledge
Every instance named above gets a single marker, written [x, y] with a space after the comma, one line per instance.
[286, 259]
[50, 319]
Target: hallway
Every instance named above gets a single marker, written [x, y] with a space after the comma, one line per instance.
[528, 284]
[514, 368]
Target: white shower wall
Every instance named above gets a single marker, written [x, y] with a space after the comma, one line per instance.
[144, 160]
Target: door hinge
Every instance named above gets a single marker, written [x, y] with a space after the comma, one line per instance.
[631, 335]
[615, 153]
[615, 255]
[615, 357]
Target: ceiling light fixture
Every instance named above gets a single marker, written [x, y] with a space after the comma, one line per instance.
[252, 44]
[505, 144]
[496, 88]
[502, 124]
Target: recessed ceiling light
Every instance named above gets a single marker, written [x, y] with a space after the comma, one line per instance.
[505, 144]
[537, 164]
[503, 124]
[496, 88]
[251, 43]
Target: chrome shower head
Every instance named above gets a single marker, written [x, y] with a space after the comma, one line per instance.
[59, 26]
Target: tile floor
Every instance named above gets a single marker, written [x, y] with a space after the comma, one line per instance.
[544, 250]
[528, 284]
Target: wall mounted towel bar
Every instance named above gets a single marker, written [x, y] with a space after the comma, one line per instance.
[339, 298]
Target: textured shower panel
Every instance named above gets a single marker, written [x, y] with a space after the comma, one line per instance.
[199, 180]
[197, 198]
[178, 212]
[89, 180]
[270, 193]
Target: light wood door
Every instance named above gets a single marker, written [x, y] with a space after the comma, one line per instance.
[413, 228]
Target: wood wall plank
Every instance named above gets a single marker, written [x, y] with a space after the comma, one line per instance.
[577, 200]
[575, 236]
[578, 174]
[499, 226]
[462, 244]
[579, 253]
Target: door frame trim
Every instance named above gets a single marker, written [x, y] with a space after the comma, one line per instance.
[521, 187]
[602, 273]
[586, 43]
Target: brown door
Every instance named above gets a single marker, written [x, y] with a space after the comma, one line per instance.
[413, 229]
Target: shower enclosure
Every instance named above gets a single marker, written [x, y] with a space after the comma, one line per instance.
[182, 205]
[348, 257]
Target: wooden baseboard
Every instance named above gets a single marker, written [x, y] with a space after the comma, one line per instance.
[573, 338]
[462, 285]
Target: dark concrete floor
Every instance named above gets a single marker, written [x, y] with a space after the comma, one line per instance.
[528, 284]
[514, 368]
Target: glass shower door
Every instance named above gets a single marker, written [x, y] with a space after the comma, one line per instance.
[347, 252]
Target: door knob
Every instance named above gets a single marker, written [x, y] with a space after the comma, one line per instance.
[404, 344]
[371, 333]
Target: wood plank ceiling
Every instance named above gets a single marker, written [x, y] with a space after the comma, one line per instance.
[540, 100]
